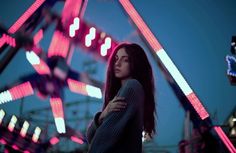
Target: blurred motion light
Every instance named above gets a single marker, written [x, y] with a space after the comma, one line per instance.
[94, 91]
[12, 123]
[36, 134]
[74, 26]
[76, 139]
[105, 46]
[2, 114]
[90, 36]
[54, 140]
[5, 96]
[32, 58]
[24, 129]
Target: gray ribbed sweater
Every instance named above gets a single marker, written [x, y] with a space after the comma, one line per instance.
[120, 132]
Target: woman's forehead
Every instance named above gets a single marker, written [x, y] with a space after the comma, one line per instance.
[121, 52]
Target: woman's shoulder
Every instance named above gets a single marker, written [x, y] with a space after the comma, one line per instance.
[133, 83]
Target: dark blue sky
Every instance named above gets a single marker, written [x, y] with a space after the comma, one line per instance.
[195, 34]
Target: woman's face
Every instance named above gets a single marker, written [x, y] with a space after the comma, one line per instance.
[122, 65]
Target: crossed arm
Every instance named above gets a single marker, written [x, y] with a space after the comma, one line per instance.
[103, 137]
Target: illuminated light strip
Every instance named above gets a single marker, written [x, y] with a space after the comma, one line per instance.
[54, 140]
[141, 25]
[39, 65]
[59, 45]
[225, 139]
[12, 123]
[2, 141]
[77, 87]
[15, 147]
[24, 129]
[58, 114]
[8, 40]
[25, 16]
[76, 139]
[94, 91]
[2, 41]
[84, 89]
[157, 47]
[105, 46]
[57, 107]
[22, 90]
[74, 26]
[229, 70]
[38, 36]
[26, 151]
[163, 57]
[42, 68]
[197, 105]
[36, 134]
[172, 69]
[5, 96]
[71, 9]
[90, 36]
[2, 114]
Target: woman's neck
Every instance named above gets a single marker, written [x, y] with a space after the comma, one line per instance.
[124, 80]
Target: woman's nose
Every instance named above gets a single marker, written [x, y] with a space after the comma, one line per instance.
[117, 63]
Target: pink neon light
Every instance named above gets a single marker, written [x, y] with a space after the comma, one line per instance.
[157, 47]
[26, 151]
[41, 68]
[2, 141]
[38, 36]
[7, 39]
[11, 127]
[25, 16]
[59, 45]
[197, 105]
[77, 87]
[71, 9]
[141, 25]
[76, 139]
[225, 139]
[54, 140]
[57, 107]
[15, 147]
[21, 90]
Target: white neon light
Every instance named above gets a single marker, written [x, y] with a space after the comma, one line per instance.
[94, 91]
[36, 134]
[229, 70]
[5, 96]
[74, 26]
[60, 125]
[32, 58]
[174, 72]
[24, 129]
[2, 114]
[12, 123]
[90, 36]
[105, 46]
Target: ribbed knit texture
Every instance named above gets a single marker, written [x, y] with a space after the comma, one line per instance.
[120, 132]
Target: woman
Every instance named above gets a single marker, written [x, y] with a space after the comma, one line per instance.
[129, 107]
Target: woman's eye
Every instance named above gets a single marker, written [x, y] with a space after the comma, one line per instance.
[126, 60]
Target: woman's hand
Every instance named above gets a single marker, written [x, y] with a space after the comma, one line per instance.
[116, 104]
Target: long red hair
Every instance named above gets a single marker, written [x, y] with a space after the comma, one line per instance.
[140, 70]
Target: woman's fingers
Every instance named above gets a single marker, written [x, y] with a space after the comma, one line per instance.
[118, 99]
[117, 106]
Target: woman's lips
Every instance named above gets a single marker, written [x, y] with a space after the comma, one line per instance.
[117, 70]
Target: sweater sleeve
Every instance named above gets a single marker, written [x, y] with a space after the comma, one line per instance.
[109, 132]
[92, 127]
